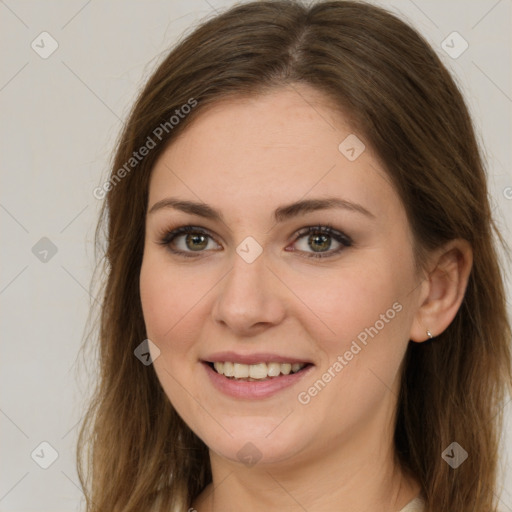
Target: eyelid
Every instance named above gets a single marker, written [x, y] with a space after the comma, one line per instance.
[167, 236]
[327, 229]
[344, 240]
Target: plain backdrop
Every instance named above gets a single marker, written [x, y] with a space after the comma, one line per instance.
[61, 114]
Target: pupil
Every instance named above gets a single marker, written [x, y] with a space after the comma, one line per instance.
[195, 238]
[316, 238]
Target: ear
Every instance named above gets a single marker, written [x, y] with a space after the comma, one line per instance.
[442, 290]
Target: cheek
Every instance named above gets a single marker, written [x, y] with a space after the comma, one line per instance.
[369, 316]
[167, 316]
[365, 325]
[342, 304]
[162, 306]
[175, 307]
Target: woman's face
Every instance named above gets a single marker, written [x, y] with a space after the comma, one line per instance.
[251, 289]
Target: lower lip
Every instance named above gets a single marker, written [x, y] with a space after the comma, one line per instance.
[254, 389]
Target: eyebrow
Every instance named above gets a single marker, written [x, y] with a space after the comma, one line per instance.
[281, 214]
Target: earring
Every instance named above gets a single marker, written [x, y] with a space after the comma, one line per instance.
[429, 334]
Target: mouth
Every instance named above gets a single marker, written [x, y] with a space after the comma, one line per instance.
[258, 372]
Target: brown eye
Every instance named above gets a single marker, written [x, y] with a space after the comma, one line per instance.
[188, 239]
[319, 242]
[318, 239]
[196, 242]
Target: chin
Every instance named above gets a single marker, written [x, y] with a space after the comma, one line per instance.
[257, 440]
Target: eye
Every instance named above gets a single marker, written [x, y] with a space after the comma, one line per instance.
[319, 240]
[188, 240]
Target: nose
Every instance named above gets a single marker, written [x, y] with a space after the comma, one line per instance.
[250, 298]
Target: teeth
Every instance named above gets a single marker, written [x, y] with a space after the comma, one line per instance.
[241, 371]
[258, 371]
[273, 369]
[228, 369]
[286, 368]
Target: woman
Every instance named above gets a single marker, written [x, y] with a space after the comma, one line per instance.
[304, 309]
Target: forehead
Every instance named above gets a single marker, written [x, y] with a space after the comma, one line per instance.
[269, 149]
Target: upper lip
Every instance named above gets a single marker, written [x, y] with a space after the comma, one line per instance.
[255, 358]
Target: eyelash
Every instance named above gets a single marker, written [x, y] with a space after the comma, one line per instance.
[169, 236]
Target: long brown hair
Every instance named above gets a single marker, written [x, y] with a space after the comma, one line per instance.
[382, 73]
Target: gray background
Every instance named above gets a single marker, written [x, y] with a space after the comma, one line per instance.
[60, 119]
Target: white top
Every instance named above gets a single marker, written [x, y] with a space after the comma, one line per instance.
[416, 505]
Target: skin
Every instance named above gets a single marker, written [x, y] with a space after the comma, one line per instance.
[246, 157]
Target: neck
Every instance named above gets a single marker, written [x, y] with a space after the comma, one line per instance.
[358, 477]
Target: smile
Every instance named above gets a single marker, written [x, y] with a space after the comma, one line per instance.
[257, 380]
[254, 372]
